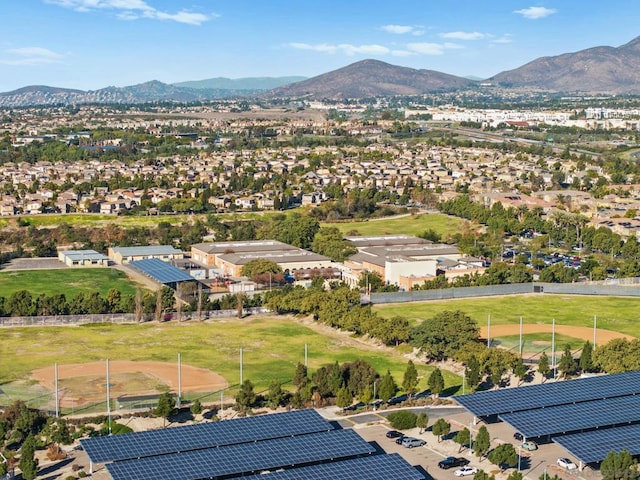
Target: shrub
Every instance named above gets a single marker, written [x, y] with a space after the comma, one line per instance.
[402, 420]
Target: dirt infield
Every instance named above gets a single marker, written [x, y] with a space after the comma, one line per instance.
[583, 333]
[86, 382]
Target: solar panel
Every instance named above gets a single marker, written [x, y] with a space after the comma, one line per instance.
[244, 458]
[204, 435]
[595, 445]
[575, 417]
[509, 400]
[161, 271]
[375, 467]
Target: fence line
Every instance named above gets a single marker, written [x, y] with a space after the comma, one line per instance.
[625, 288]
[118, 318]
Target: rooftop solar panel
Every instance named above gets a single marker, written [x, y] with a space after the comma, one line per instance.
[244, 458]
[204, 435]
[595, 445]
[508, 400]
[375, 467]
[576, 416]
[161, 271]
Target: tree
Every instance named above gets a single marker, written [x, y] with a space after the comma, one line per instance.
[275, 397]
[388, 387]
[436, 382]
[402, 419]
[503, 455]
[165, 407]
[482, 475]
[328, 380]
[440, 428]
[444, 335]
[28, 463]
[196, 407]
[520, 370]
[330, 242]
[359, 374]
[422, 421]
[60, 432]
[472, 372]
[619, 466]
[567, 364]
[586, 357]
[246, 397]
[410, 380]
[261, 270]
[482, 442]
[300, 377]
[515, 475]
[543, 366]
[344, 397]
[463, 438]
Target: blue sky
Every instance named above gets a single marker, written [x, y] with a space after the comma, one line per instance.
[91, 44]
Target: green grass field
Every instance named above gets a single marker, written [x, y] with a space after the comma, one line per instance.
[272, 347]
[65, 280]
[409, 225]
[535, 343]
[620, 314]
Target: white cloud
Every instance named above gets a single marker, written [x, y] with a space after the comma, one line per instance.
[425, 48]
[32, 56]
[133, 10]
[534, 13]
[346, 48]
[506, 38]
[464, 35]
[403, 29]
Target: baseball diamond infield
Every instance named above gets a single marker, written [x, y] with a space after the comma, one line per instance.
[583, 333]
[82, 383]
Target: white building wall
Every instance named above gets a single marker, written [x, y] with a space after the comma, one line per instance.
[394, 270]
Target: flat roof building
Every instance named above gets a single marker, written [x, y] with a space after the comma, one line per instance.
[230, 257]
[125, 255]
[83, 258]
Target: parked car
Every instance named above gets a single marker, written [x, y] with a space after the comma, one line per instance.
[410, 442]
[394, 434]
[451, 462]
[400, 439]
[566, 463]
[464, 471]
[530, 446]
[518, 436]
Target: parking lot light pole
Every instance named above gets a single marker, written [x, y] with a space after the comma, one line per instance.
[519, 456]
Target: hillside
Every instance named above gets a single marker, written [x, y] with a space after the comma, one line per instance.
[594, 70]
[372, 78]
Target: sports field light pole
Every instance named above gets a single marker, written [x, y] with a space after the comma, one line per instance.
[595, 323]
[553, 346]
[241, 379]
[55, 371]
[306, 356]
[179, 381]
[519, 456]
[488, 331]
[520, 337]
[108, 399]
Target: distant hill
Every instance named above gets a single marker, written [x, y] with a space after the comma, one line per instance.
[250, 83]
[372, 78]
[594, 70]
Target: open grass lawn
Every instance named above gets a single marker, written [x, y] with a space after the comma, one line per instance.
[536, 343]
[272, 347]
[69, 281]
[620, 314]
[409, 225]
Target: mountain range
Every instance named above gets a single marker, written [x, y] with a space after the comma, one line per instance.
[597, 70]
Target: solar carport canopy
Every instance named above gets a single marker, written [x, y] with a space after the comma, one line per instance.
[375, 467]
[575, 417]
[594, 446]
[497, 402]
[204, 435]
[236, 460]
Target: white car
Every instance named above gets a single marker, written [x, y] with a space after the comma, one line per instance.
[464, 471]
[566, 463]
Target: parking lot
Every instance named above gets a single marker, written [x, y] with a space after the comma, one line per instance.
[533, 465]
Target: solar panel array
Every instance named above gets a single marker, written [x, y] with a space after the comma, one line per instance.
[595, 445]
[204, 435]
[244, 458]
[375, 467]
[575, 417]
[498, 402]
[161, 271]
